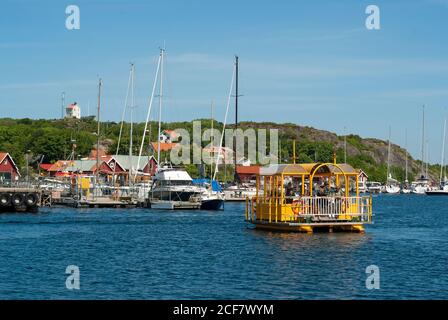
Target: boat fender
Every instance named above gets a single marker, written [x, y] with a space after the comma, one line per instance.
[5, 199]
[31, 199]
[17, 199]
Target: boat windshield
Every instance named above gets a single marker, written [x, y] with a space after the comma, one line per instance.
[174, 182]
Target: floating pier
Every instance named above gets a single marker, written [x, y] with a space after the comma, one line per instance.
[105, 202]
[20, 199]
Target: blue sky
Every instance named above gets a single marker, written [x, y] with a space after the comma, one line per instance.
[308, 62]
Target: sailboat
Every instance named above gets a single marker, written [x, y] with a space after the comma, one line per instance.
[421, 185]
[172, 187]
[443, 186]
[391, 183]
[237, 191]
[211, 197]
[405, 188]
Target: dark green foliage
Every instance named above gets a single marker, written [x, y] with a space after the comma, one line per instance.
[54, 139]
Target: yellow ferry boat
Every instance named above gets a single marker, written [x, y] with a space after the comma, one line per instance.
[308, 197]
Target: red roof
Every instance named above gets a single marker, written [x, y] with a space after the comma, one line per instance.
[72, 105]
[164, 146]
[3, 156]
[247, 169]
[60, 165]
[46, 166]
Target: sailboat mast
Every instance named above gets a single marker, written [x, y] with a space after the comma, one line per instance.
[388, 159]
[229, 97]
[100, 83]
[406, 150]
[148, 114]
[162, 51]
[131, 124]
[236, 114]
[122, 121]
[423, 142]
[427, 157]
[212, 138]
[443, 152]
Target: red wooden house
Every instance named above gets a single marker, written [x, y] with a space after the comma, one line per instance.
[8, 169]
[247, 173]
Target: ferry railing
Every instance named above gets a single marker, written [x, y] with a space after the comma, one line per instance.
[310, 209]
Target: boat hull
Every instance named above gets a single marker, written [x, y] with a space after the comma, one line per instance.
[308, 227]
[215, 204]
[437, 193]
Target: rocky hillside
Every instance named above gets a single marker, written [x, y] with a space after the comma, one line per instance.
[53, 139]
[369, 154]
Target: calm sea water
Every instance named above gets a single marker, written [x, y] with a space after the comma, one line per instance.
[144, 254]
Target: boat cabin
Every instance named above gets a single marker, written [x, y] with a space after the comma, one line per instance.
[310, 196]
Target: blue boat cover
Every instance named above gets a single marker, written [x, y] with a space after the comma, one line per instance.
[202, 181]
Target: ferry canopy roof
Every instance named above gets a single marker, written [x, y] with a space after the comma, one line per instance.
[275, 169]
[308, 169]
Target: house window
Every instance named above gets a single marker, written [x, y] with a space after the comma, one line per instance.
[5, 162]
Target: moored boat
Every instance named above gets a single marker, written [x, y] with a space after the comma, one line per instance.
[295, 206]
[420, 186]
[239, 192]
[173, 187]
[212, 197]
[391, 186]
[373, 187]
[443, 191]
[443, 185]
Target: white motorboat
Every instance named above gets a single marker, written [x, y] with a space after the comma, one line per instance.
[393, 188]
[172, 188]
[212, 197]
[405, 190]
[420, 186]
[212, 200]
[442, 191]
[240, 192]
[373, 187]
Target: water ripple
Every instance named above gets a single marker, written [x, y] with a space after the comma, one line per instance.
[144, 254]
